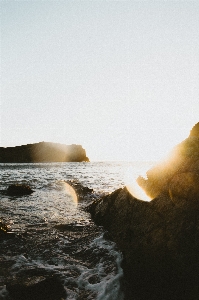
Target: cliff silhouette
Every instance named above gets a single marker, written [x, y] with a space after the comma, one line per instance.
[159, 240]
[43, 152]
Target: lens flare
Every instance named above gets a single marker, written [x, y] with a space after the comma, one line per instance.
[70, 192]
[134, 189]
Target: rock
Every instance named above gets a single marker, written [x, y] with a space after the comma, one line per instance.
[82, 192]
[185, 186]
[3, 227]
[43, 152]
[159, 239]
[37, 288]
[19, 190]
[5, 231]
[195, 130]
[182, 159]
[159, 242]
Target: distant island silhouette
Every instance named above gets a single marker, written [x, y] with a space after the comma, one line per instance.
[43, 152]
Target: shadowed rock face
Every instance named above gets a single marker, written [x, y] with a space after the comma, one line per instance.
[159, 239]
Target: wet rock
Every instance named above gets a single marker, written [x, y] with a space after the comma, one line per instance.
[81, 191]
[5, 232]
[78, 235]
[3, 227]
[85, 295]
[159, 241]
[37, 288]
[71, 227]
[19, 190]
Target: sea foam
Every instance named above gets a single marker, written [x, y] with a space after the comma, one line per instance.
[109, 287]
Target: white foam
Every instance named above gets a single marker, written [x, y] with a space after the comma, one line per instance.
[20, 260]
[106, 286]
[109, 286]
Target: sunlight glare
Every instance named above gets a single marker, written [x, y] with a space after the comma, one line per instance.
[70, 192]
[134, 189]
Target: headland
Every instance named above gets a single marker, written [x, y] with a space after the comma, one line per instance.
[43, 152]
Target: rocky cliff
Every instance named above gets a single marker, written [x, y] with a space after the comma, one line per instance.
[184, 158]
[159, 239]
[43, 152]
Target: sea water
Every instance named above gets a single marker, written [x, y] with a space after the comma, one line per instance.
[54, 234]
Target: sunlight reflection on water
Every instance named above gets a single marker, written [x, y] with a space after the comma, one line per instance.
[54, 202]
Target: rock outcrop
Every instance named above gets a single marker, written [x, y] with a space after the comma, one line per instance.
[159, 239]
[184, 158]
[19, 190]
[43, 152]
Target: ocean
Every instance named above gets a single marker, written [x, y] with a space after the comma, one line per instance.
[51, 232]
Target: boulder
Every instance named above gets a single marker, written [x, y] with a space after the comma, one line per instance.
[19, 190]
[5, 231]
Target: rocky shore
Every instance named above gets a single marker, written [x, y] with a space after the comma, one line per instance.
[55, 273]
[43, 152]
[159, 239]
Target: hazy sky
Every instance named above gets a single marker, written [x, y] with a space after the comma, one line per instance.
[121, 78]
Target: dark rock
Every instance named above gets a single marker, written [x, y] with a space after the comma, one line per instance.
[37, 288]
[185, 186]
[5, 231]
[3, 227]
[43, 152]
[159, 239]
[82, 192]
[70, 227]
[19, 190]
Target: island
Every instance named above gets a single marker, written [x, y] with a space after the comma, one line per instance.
[43, 152]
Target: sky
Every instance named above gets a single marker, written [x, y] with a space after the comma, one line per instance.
[120, 78]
